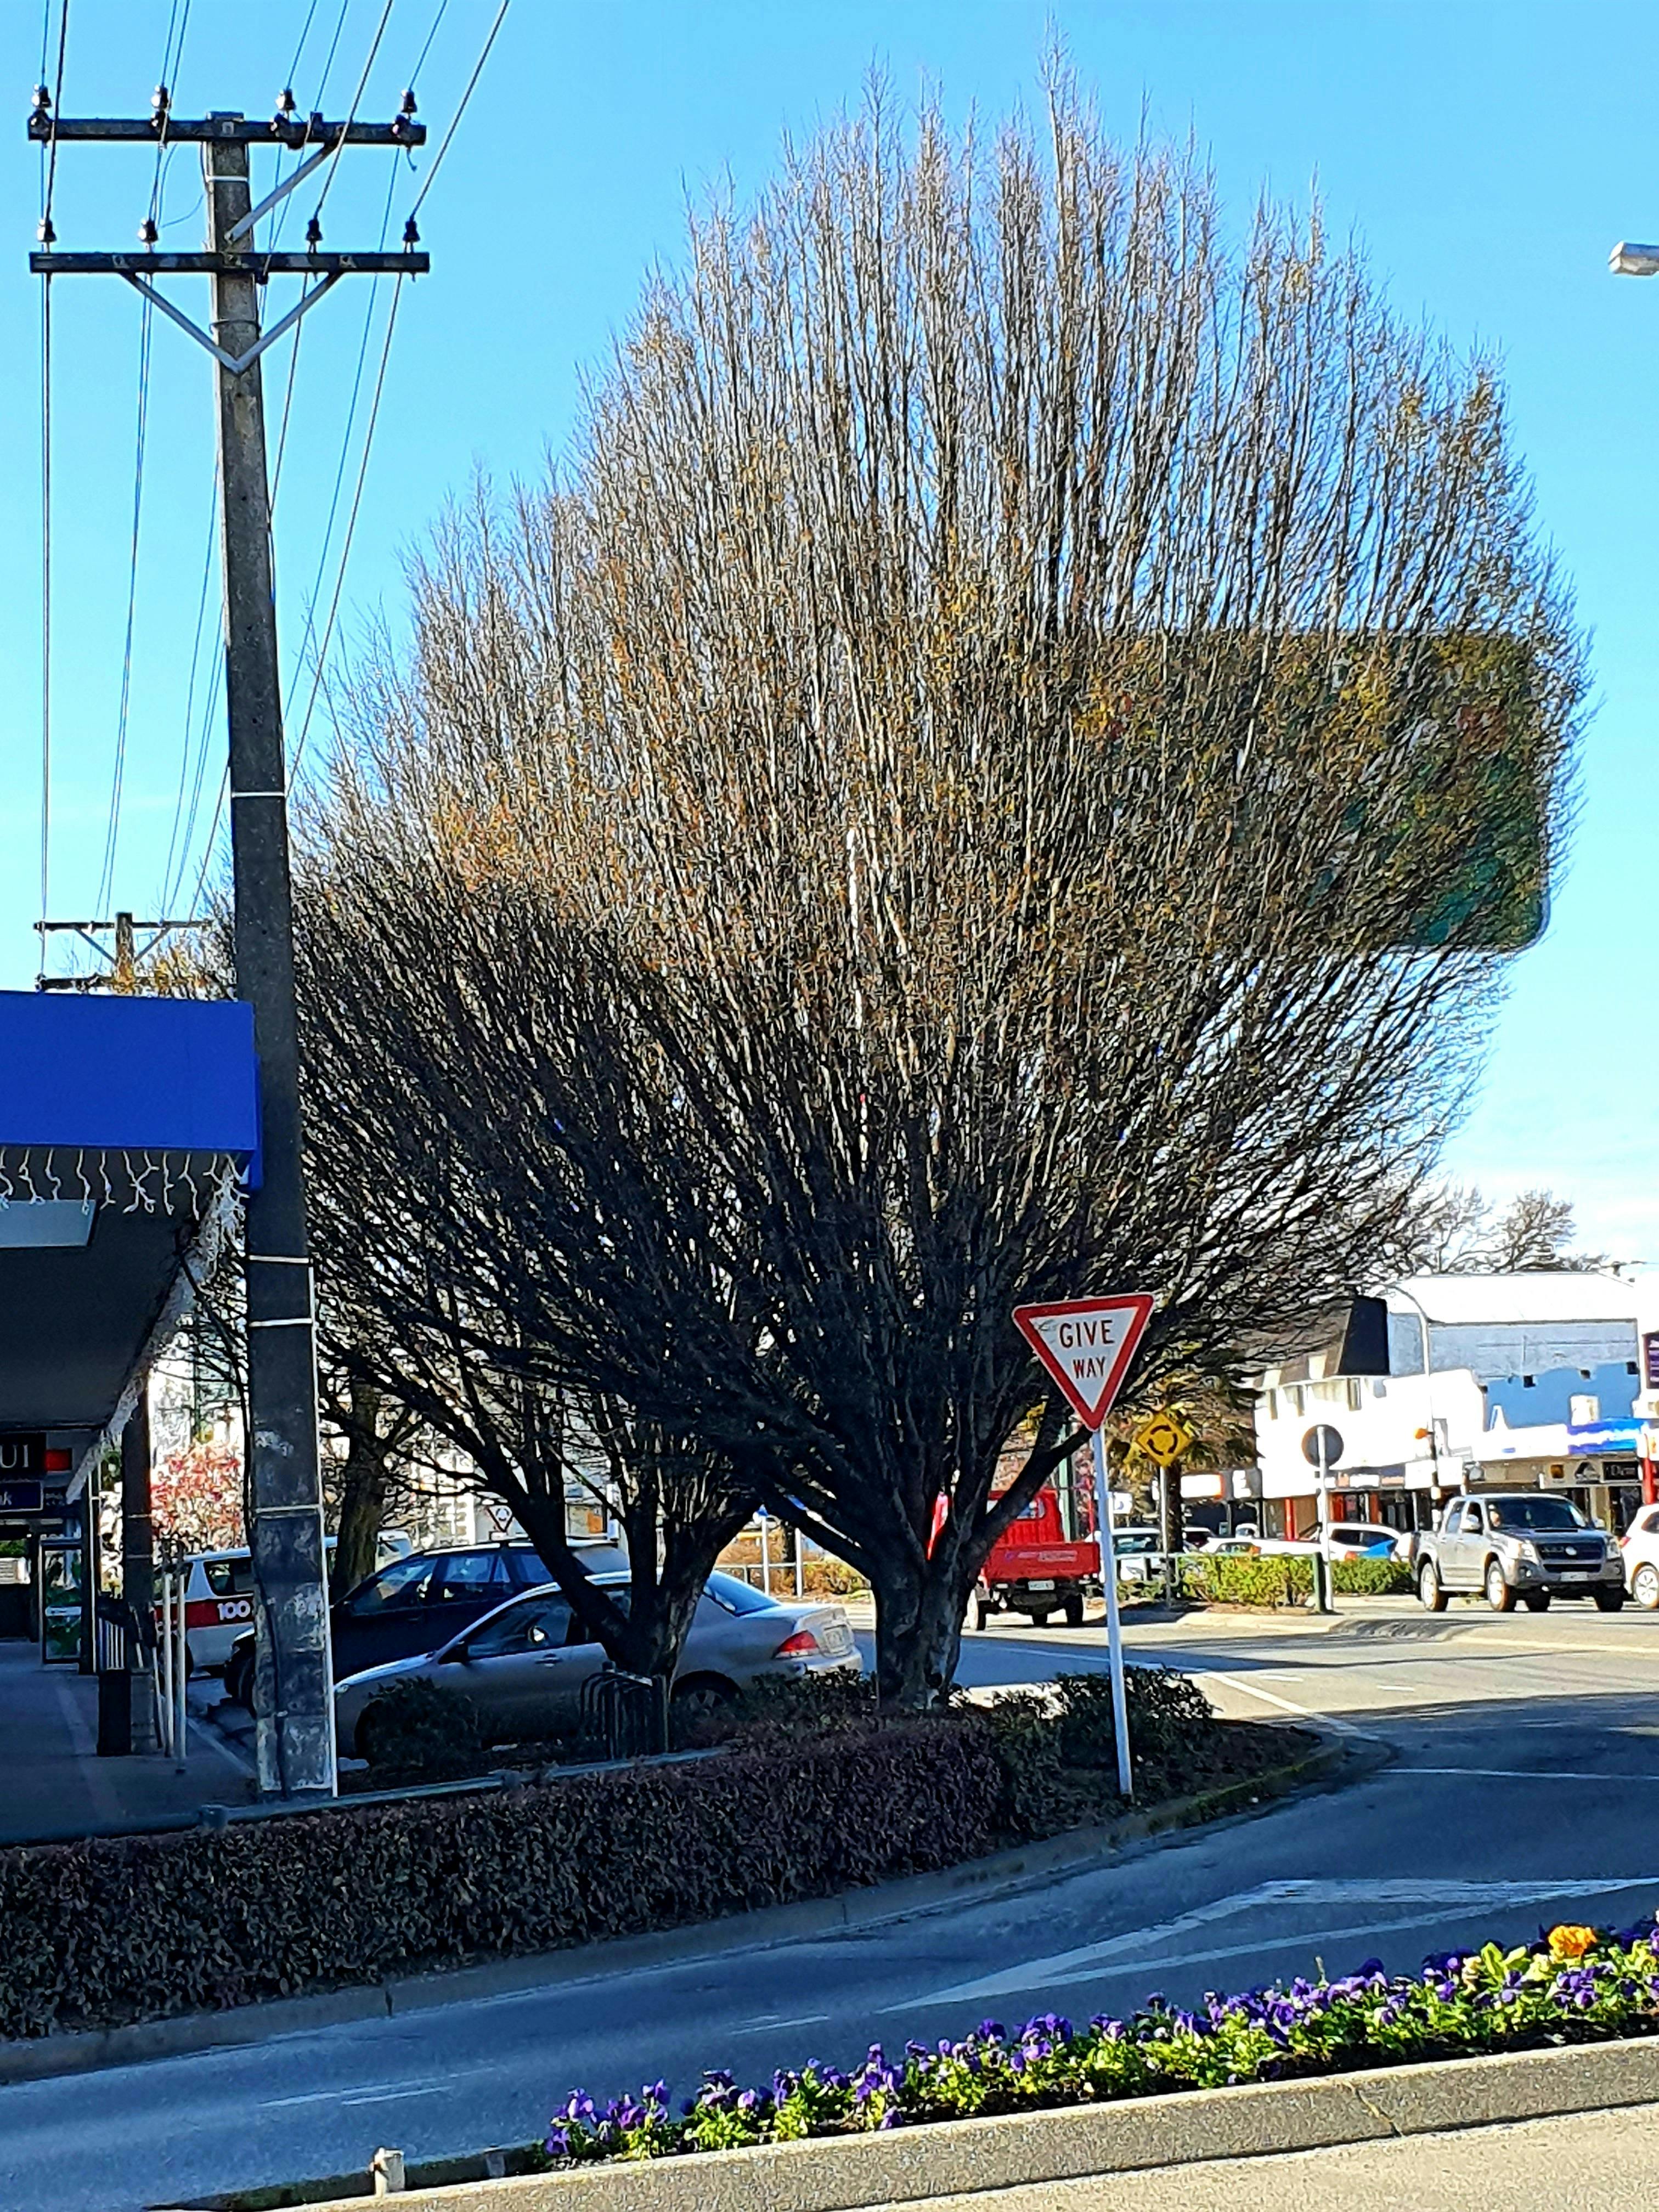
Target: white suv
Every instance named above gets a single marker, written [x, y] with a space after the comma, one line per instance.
[1640, 1545]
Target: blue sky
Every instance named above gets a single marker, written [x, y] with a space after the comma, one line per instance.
[1488, 155]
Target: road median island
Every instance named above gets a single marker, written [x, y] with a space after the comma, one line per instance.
[128, 1948]
[1116, 2097]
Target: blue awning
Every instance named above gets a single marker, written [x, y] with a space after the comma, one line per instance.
[124, 1124]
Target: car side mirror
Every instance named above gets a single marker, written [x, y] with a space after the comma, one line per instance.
[458, 1655]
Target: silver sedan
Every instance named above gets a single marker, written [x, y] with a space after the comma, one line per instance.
[522, 1666]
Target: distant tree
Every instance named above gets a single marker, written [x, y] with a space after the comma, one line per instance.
[197, 1498]
[1451, 1230]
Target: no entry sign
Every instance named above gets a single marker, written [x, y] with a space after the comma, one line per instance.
[1086, 1345]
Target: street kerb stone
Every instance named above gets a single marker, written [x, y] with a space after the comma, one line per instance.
[914, 2165]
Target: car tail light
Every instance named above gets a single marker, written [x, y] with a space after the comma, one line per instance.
[801, 1646]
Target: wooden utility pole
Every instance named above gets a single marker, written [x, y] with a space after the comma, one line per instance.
[138, 1566]
[293, 1704]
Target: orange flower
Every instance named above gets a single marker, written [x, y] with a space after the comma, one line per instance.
[1568, 1942]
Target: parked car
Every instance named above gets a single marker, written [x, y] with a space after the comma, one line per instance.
[1360, 1539]
[1523, 1544]
[1640, 1546]
[417, 1603]
[522, 1666]
[219, 1601]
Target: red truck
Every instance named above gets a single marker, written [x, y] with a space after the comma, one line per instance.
[1047, 1561]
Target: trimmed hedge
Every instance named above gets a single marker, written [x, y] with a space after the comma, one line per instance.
[1287, 1578]
[117, 1928]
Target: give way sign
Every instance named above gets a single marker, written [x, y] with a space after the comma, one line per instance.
[1086, 1345]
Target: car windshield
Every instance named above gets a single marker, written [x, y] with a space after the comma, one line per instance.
[736, 1594]
[1558, 1514]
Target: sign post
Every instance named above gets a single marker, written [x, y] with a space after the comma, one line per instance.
[1165, 1439]
[1322, 1445]
[1085, 1345]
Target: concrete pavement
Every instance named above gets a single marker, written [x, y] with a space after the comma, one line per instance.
[1525, 1788]
[55, 1783]
[1586, 2163]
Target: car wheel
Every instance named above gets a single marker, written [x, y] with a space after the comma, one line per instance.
[701, 1697]
[1500, 1596]
[1041, 1620]
[1644, 1586]
[1074, 1609]
[1433, 1597]
[366, 1737]
[981, 1613]
[239, 1684]
[1610, 1600]
[1536, 1601]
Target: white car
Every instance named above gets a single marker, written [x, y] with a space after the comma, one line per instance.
[1640, 1546]
[1357, 1540]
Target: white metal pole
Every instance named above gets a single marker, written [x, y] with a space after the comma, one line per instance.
[180, 1671]
[166, 1662]
[1322, 1556]
[1105, 1521]
[766, 1556]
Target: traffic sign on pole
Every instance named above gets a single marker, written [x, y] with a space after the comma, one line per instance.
[1086, 1345]
[1164, 1438]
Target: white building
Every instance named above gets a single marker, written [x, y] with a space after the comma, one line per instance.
[1526, 1380]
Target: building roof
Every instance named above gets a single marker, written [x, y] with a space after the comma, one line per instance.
[1535, 1295]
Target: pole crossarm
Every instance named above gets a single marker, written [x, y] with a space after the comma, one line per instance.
[291, 133]
[260, 266]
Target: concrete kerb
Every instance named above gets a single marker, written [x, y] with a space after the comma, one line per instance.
[1336, 1759]
[915, 2166]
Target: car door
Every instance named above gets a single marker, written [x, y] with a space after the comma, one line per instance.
[1460, 1550]
[385, 1618]
[520, 1672]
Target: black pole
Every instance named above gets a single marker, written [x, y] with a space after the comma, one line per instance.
[138, 1567]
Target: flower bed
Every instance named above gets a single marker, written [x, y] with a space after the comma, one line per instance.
[1575, 1985]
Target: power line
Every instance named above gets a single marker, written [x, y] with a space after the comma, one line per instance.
[107, 874]
[321, 660]
[455, 120]
[48, 182]
[351, 112]
[168, 879]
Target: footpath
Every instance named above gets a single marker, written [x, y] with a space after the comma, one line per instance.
[58, 1786]
[1584, 2162]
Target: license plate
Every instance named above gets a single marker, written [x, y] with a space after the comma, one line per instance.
[1578, 1575]
[1048, 1585]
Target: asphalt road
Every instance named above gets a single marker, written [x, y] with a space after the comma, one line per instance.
[1524, 1789]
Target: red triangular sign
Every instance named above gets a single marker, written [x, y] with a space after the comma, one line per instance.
[1086, 1345]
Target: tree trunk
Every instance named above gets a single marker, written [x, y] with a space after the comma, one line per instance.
[367, 1480]
[919, 1615]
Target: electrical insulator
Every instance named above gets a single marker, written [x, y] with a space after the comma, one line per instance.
[45, 232]
[314, 233]
[160, 101]
[406, 104]
[286, 103]
[41, 104]
[411, 233]
[148, 233]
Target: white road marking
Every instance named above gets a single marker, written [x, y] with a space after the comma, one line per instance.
[1448, 1901]
[1284, 1704]
[210, 1736]
[769, 2020]
[1525, 1774]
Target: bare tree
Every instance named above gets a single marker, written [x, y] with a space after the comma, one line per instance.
[951, 800]
[1451, 1230]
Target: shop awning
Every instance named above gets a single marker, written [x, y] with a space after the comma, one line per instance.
[125, 1126]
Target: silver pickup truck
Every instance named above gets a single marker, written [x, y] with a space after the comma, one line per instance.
[1519, 1543]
